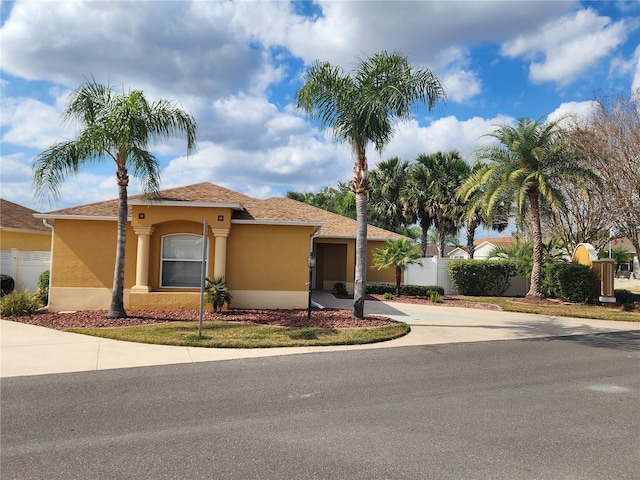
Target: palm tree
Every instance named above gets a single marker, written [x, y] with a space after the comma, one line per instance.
[361, 108]
[415, 201]
[388, 181]
[475, 215]
[217, 293]
[523, 169]
[439, 176]
[119, 126]
[398, 254]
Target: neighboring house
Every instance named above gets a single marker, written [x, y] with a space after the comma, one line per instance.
[484, 246]
[626, 268]
[459, 253]
[432, 250]
[259, 246]
[25, 245]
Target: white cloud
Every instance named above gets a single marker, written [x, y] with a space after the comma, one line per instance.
[444, 134]
[30, 123]
[573, 109]
[461, 85]
[568, 46]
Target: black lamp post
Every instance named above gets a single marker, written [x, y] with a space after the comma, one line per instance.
[311, 262]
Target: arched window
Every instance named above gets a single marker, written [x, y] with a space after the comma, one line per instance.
[181, 264]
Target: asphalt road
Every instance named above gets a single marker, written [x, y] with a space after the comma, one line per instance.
[563, 408]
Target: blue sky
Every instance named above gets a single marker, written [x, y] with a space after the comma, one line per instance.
[236, 66]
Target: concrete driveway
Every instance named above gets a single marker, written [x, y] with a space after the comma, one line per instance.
[31, 350]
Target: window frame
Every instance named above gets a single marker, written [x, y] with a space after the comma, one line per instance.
[181, 260]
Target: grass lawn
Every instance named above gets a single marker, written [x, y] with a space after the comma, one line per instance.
[576, 310]
[237, 335]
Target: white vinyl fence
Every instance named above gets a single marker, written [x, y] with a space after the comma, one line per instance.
[24, 267]
[434, 272]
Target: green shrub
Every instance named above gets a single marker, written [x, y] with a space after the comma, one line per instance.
[571, 282]
[18, 303]
[380, 288]
[626, 297]
[340, 288]
[388, 296]
[435, 297]
[481, 277]
[376, 288]
[7, 284]
[43, 287]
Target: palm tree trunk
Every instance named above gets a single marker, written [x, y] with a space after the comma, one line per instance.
[117, 294]
[441, 239]
[536, 230]
[360, 186]
[360, 284]
[471, 236]
[425, 224]
[398, 278]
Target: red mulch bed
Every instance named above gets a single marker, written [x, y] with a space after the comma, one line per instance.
[327, 318]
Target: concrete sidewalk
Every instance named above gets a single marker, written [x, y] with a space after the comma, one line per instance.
[31, 350]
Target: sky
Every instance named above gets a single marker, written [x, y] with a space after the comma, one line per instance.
[235, 66]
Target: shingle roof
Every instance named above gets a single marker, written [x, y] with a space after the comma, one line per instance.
[272, 209]
[16, 216]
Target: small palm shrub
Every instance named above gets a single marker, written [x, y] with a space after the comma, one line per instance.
[7, 284]
[18, 303]
[340, 288]
[217, 293]
[387, 296]
[435, 297]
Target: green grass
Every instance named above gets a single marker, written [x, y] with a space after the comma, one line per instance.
[237, 335]
[561, 310]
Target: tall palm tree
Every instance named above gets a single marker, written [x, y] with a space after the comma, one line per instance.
[439, 175]
[415, 200]
[361, 107]
[398, 254]
[475, 215]
[388, 181]
[523, 169]
[119, 126]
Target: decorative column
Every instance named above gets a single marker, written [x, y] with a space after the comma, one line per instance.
[142, 260]
[220, 260]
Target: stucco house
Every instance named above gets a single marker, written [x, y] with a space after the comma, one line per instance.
[259, 246]
[25, 245]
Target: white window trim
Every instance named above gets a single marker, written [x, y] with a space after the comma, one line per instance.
[162, 259]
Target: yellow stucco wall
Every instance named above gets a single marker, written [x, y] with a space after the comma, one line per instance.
[84, 254]
[156, 214]
[268, 257]
[25, 241]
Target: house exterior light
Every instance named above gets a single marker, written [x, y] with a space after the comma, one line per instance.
[311, 262]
